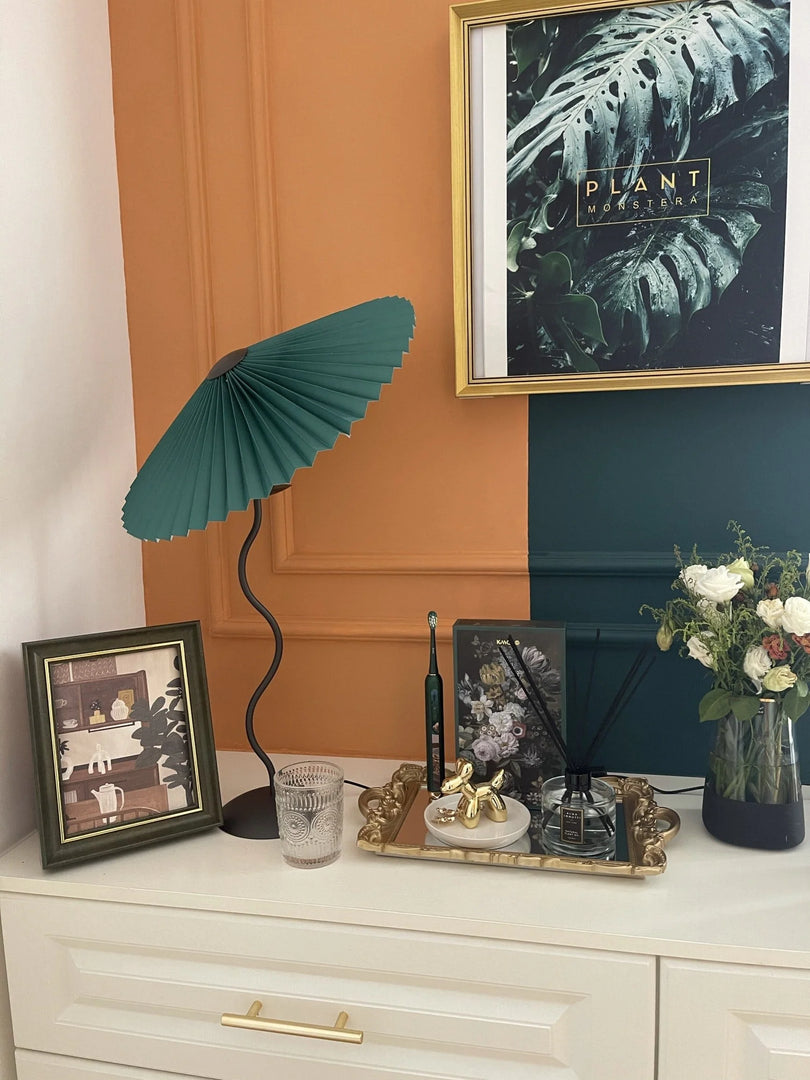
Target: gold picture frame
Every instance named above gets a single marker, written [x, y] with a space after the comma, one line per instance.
[394, 816]
[713, 293]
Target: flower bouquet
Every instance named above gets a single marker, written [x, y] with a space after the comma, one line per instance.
[747, 621]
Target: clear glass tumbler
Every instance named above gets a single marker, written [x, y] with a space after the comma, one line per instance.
[309, 800]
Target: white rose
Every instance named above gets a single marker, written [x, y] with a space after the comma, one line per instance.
[741, 567]
[796, 617]
[770, 611]
[691, 575]
[756, 663]
[719, 584]
[779, 679]
[698, 651]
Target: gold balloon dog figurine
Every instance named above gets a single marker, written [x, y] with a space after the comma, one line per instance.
[476, 797]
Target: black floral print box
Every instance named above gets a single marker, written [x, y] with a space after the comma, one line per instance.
[496, 725]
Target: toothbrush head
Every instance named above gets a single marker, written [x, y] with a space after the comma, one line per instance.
[433, 619]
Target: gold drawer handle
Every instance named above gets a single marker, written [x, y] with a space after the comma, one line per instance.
[252, 1020]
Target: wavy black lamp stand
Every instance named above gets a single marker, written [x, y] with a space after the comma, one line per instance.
[253, 813]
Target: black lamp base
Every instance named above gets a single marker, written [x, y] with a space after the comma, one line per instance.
[252, 815]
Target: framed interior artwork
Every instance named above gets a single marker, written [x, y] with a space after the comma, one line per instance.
[496, 725]
[629, 203]
[122, 739]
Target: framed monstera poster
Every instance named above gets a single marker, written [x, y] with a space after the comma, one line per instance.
[630, 203]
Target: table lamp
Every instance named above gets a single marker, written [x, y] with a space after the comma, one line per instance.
[260, 414]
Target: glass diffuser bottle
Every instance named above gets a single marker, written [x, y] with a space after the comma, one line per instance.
[578, 811]
[578, 817]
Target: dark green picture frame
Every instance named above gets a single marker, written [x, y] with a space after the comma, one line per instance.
[112, 688]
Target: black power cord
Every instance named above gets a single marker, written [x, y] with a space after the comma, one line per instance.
[676, 791]
[663, 791]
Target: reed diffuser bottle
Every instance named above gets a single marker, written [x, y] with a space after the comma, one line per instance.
[578, 810]
[579, 816]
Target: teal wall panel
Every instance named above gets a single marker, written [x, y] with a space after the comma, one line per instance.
[615, 480]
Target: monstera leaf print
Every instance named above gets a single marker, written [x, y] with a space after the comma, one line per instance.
[647, 292]
[663, 68]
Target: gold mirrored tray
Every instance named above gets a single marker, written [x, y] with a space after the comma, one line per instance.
[395, 825]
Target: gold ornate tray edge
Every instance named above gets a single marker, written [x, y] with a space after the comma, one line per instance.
[385, 808]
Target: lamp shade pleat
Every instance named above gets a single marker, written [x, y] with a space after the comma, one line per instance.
[247, 430]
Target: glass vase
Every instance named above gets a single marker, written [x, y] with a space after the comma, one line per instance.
[753, 793]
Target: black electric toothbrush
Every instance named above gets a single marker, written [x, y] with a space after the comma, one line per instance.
[434, 715]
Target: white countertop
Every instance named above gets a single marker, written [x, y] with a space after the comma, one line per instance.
[713, 902]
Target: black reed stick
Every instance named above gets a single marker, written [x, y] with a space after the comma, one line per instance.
[619, 700]
[539, 700]
[539, 706]
[607, 824]
[570, 768]
[591, 672]
[628, 688]
[545, 718]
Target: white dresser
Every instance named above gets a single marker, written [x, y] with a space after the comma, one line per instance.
[122, 968]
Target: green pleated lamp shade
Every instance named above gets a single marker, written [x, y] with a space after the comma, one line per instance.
[263, 412]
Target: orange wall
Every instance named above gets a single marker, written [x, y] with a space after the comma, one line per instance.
[279, 160]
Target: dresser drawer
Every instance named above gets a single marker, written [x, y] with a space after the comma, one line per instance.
[744, 1022]
[147, 987]
[34, 1066]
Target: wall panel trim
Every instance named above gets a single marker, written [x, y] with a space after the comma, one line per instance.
[197, 224]
[315, 628]
[617, 635]
[603, 564]
[613, 635]
[286, 560]
[467, 563]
